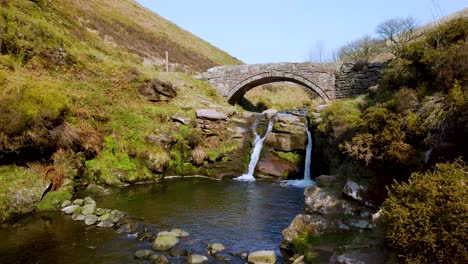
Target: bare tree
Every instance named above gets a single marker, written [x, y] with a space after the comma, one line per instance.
[360, 49]
[398, 31]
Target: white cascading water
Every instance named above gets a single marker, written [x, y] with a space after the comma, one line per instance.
[306, 181]
[258, 145]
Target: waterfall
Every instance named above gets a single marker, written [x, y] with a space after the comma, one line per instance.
[306, 181]
[258, 145]
[308, 155]
[427, 155]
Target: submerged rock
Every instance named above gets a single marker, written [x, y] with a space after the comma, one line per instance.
[178, 250]
[359, 257]
[262, 256]
[143, 254]
[159, 259]
[197, 259]
[106, 223]
[116, 215]
[126, 228]
[165, 242]
[216, 247]
[179, 233]
[78, 217]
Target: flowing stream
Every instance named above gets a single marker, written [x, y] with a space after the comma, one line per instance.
[257, 150]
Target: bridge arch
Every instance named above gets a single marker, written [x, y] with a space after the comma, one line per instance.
[238, 91]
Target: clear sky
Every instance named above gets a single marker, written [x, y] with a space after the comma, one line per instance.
[262, 31]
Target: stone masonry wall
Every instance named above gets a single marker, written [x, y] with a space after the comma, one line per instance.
[355, 79]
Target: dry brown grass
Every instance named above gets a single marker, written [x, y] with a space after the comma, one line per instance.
[199, 155]
[50, 174]
[280, 96]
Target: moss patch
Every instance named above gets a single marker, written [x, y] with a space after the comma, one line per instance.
[53, 199]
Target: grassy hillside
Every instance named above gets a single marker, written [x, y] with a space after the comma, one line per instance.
[70, 106]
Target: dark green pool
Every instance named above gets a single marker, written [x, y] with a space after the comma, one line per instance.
[244, 216]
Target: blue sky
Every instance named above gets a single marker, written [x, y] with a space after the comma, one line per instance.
[262, 31]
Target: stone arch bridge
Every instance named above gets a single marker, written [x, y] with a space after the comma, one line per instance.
[330, 81]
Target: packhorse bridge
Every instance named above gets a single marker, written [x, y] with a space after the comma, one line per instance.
[330, 81]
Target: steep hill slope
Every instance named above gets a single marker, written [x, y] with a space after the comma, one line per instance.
[73, 77]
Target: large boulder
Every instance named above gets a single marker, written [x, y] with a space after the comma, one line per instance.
[157, 91]
[287, 142]
[313, 224]
[263, 256]
[287, 123]
[327, 211]
[272, 166]
[330, 204]
[288, 134]
[22, 200]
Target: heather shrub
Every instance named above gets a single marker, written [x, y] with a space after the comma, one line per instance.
[426, 218]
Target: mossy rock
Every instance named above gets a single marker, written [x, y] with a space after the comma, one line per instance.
[53, 199]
